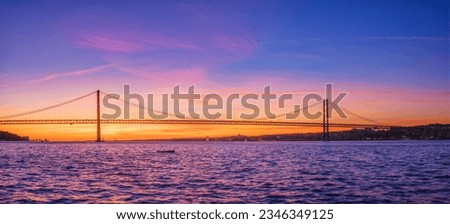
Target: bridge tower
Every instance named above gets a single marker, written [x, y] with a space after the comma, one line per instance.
[326, 121]
[98, 117]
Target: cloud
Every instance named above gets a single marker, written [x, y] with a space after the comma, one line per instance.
[235, 44]
[128, 41]
[182, 75]
[103, 43]
[72, 73]
[400, 38]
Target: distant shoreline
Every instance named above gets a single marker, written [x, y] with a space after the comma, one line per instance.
[203, 141]
[425, 132]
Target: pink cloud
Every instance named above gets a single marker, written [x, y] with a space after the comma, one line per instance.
[174, 76]
[126, 41]
[219, 30]
[72, 73]
[107, 44]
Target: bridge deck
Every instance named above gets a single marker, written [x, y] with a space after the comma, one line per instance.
[175, 121]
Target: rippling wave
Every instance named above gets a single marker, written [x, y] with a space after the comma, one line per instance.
[226, 172]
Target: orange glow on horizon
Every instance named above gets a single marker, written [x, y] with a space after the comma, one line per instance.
[406, 108]
[150, 132]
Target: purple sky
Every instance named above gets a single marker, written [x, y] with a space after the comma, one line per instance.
[388, 55]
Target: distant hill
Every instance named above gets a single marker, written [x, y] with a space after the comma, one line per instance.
[7, 136]
[425, 132]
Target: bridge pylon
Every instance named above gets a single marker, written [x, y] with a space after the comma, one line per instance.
[326, 121]
[99, 134]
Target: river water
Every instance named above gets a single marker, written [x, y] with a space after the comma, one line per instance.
[226, 172]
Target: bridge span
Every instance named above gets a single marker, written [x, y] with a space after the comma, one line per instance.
[325, 124]
[186, 122]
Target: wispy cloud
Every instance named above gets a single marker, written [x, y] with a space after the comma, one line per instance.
[127, 41]
[235, 44]
[72, 73]
[173, 76]
[407, 38]
[103, 43]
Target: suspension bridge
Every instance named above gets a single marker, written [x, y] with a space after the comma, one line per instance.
[53, 110]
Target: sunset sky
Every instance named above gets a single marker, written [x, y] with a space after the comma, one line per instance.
[392, 58]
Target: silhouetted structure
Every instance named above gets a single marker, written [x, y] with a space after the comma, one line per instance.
[7, 136]
[424, 132]
[12, 119]
[98, 117]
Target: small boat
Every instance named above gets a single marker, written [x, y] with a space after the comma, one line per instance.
[165, 151]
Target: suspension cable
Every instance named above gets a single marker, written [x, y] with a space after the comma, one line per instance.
[47, 108]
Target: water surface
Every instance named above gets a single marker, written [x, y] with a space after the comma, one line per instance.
[226, 172]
